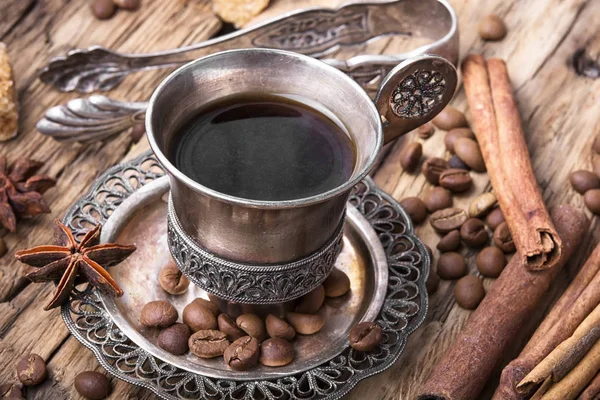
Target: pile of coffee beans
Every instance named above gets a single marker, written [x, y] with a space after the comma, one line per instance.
[105, 9]
[587, 183]
[242, 342]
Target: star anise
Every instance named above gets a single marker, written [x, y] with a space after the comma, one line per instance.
[67, 260]
[21, 191]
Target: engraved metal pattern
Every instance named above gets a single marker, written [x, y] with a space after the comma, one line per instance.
[418, 94]
[403, 311]
[250, 284]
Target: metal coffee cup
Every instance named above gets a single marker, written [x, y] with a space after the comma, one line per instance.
[261, 252]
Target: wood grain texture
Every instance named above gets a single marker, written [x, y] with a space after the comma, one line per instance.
[559, 110]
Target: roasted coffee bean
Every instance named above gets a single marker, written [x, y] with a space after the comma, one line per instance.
[437, 199]
[228, 326]
[482, 204]
[305, 324]
[490, 262]
[3, 248]
[455, 134]
[137, 132]
[208, 304]
[311, 302]
[592, 200]
[448, 219]
[103, 9]
[473, 233]
[503, 238]
[199, 317]
[128, 4]
[494, 218]
[31, 370]
[92, 385]
[433, 283]
[158, 314]
[365, 336]
[450, 118]
[451, 266]
[411, 155]
[455, 162]
[425, 131]
[433, 168]
[9, 391]
[276, 327]
[491, 27]
[208, 343]
[415, 208]
[469, 292]
[174, 339]
[252, 325]
[172, 280]
[456, 180]
[276, 352]
[582, 181]
[596, 145]
[450, 242]
[337, 283]
[468, 151]
[242, 354]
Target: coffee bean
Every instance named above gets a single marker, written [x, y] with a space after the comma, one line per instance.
[448, 219]
[311, 302]
[137, 132]
[208, 343]
[242, 354]
[228, 326]
[9, 391]
[276, 352]
[305, 324]
[365, 336]
[174, 339]
[491, 27]
[469, 292]
[482, 204]
[494, 218]
[592, 200]
[473, 233]
[276, 327]
[92, 385]
[252, 325]
[337, 283]
[455, 162]
[451, 266]
[490, 262]
[158, 314]
[199, 317]
[3, 248]
[450, 118]
[582, 181]
[415, 208]
[456, 180]
[172, 280]
[503, 238]
[596, 166]
[437, 199]
[450, 242]
[596, 145]
[455, 134]
[103, 9]
[433, 168]
[425, 131]
[128, 4]
[411, 155]
[31, 370]
[208, 304]
[468, 151]
[433, 283]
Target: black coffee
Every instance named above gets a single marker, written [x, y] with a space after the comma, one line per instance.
[264, 147]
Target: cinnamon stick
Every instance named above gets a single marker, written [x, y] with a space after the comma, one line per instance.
[577, 302]
[480, 346]
[498, 129]
[592, 391]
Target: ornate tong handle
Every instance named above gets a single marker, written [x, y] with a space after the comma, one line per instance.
[413, 93]
[313, 32]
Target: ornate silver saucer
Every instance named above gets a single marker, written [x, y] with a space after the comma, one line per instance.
[388, 266]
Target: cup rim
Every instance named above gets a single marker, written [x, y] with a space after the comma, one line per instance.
[263, 204]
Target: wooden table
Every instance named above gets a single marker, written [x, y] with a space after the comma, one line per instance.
[559, 110]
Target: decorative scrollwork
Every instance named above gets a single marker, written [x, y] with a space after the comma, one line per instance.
[403, 311]
[418, 94]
